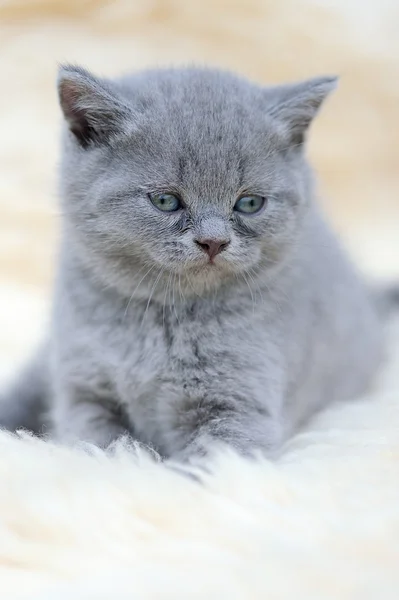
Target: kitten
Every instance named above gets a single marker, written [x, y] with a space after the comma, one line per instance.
[200, 295]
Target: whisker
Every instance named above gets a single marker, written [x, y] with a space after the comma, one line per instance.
[250, 291]
[164, 299]
[256, 284]
[137, 286]
[151, 294]
[180, 290]
[173, 298]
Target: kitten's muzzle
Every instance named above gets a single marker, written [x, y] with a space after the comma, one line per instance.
[212, 247]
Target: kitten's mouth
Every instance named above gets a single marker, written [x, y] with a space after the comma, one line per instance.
[211, 266]
[203, 266]
[211, 263]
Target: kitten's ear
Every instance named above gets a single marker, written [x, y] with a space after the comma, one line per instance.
[93, 111]
[296, 105]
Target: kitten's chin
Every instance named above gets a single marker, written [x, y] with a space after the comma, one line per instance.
[209, 277]
[204, 282]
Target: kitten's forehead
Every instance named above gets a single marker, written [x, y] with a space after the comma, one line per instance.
[203, 103]
[207, 126]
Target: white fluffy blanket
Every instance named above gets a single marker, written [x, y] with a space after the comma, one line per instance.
[322, 522]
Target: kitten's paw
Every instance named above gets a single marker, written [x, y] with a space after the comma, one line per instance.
[186, 471]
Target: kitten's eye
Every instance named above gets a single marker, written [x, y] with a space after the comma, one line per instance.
[165, 202]
[249, 205]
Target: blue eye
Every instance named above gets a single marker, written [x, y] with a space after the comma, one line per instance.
[165, 202]
[249, 205]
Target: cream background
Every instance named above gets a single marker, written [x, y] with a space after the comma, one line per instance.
[323, 522]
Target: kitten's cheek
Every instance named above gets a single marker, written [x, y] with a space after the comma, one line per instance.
[248, 257]
[255, 256]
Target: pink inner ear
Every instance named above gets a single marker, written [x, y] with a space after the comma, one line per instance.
[76, 117]
[67, 97]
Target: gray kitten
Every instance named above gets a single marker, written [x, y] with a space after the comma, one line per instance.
[200, 295]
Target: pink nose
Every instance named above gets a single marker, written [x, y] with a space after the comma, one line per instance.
[212, 247]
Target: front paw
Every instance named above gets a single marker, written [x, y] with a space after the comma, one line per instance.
[195, 453]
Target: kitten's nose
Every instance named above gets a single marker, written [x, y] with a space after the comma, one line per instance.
[212, 246]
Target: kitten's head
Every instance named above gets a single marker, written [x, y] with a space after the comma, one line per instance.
[191, 174]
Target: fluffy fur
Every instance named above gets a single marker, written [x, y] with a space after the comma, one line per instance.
[325, 525]
[322, 521]
[155, 336]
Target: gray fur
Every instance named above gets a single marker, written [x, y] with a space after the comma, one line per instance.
[147, 336]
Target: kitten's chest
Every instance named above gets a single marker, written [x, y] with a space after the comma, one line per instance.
[156, 348]
[140, 355]
[176, 354]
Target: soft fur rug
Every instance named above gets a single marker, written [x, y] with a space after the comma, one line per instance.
[322, 522]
